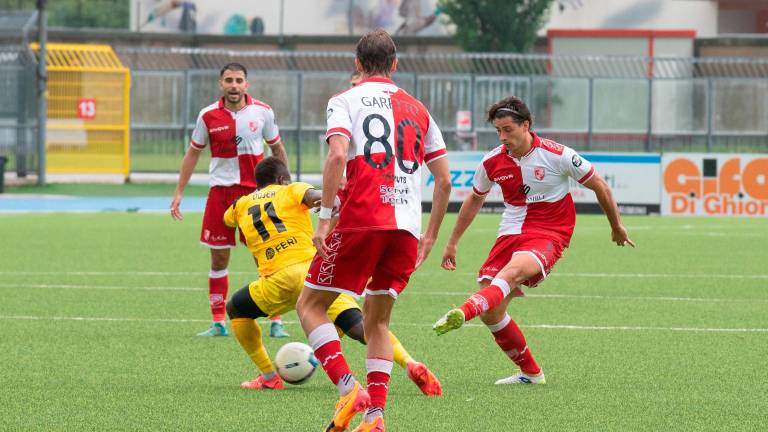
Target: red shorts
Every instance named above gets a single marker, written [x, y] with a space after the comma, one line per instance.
[546, 252]
[215, 233]
[389, 257]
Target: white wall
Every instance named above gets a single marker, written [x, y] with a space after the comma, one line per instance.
[699, 15]
[330, 17]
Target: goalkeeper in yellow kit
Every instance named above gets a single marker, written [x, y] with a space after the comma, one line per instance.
[278, 231]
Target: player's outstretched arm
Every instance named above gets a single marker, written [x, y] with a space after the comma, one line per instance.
[188, 164]
[619, 234]
[469, 209]
[440, 196]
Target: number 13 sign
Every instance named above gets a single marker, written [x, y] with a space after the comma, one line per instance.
[86, 108]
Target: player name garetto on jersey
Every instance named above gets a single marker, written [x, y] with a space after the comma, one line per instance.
[392, 136]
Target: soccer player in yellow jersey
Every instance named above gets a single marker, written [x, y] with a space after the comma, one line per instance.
[278, 231]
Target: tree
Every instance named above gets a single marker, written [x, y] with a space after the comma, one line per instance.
[79, 13]
[496, 25]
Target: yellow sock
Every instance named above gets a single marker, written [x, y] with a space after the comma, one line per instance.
[248, 333]
[400, 355]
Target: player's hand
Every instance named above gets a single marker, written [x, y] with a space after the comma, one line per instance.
[425, 246]
[620, 237]
[449, 257]
[318, 239]
[175, 211]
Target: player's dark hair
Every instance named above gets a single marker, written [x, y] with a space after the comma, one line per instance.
[233, 67]
[269, 171]
[376, 51]
[511, 106]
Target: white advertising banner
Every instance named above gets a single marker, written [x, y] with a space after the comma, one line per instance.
[634, 179]
[712, 184]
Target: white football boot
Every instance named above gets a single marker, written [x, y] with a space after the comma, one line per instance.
[523, 378]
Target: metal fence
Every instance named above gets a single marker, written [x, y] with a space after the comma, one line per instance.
[18, 110]
[590, 103]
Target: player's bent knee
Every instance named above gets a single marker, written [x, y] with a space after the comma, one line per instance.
[310, 301]
[375, 326]
[513, 275]
[231, 310]
[494, 315]
[350, 322]
[241, 305]
[357, 333]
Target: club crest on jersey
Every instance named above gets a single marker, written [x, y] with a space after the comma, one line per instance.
[538, 172]
[253, 126]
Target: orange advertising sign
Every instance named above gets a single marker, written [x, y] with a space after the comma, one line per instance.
[713, 184]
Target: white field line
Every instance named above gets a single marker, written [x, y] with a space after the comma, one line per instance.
[410, 324]
[649, 275]
[412, 291]
[599, 297]
[101, 287]
[117, 273]
[254, 274]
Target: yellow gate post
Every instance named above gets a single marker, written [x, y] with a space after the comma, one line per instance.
[88, 110]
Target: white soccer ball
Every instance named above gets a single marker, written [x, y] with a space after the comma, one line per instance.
[296, 362]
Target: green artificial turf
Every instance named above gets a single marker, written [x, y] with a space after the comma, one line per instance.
[99, 314]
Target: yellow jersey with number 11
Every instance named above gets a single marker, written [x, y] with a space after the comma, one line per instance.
[276, 225]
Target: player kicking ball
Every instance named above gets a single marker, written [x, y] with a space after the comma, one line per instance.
[278, 231]
[535, 229]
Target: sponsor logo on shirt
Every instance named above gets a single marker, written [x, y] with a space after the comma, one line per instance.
[576, 161]
[219, 129]
[504, 177]
[394, 195]
[283, 245]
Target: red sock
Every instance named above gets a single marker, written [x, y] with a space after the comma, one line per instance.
[379, 371]
[510, 339]
[485, 299]
[218, 284]
[331, 358]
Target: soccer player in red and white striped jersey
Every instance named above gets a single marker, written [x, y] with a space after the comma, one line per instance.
[384, 137]
[235, 129]
[537, 224]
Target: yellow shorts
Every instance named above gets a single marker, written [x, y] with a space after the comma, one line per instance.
[278, 293]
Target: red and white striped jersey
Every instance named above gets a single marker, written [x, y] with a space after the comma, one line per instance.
[391, 137]
[535, 188]
[236, 140]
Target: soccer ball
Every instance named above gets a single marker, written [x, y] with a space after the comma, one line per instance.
[296, 362]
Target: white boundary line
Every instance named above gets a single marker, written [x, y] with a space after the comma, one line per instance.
[410, 324]
[413, 291]
[662, 275]
[597, 297]
[101, 287]
[254, 273]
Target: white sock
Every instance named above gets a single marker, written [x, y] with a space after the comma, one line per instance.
[346, 384]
